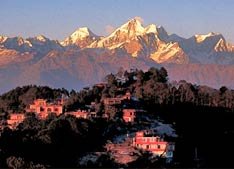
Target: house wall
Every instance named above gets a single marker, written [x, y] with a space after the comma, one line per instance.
[15, 119]
[129, 115]
[79, 114]
[42, 108]
[153, 144]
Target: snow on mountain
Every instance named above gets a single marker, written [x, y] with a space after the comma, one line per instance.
[206, 49]
[139, 41]
[41, 38]
[3, 39]
[200, 38]
[130, 31]
[162, 33]
[82, 37]
[16, 43]
[18, 46]
[151, 29]
[124, 33]
[170, 53]
[223, 46]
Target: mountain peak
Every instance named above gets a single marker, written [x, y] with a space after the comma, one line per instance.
[82, 33]
[82, 37]
[128, 31]
[162, 33]
[151, 29]
[201, 37]
[20, 40]
[135, 20]
[41, 38]
[3, 38]
[133, 26]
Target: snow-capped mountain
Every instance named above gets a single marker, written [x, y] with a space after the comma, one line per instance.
[139, 41]
[84, 58]
[82, 37]
[128, 31]
[39, 45]
[210, 48]
[154, 42]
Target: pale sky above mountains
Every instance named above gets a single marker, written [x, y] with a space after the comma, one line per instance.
[58, 19]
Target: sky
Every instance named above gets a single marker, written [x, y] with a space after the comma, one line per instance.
[57, 19]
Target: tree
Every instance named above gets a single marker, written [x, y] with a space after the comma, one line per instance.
[15, 163]
[120, 72]
[111, 80]
[163, 76]
[99, 107]
[106, 161]
[146, 160]
[18, 163]
[223, 89]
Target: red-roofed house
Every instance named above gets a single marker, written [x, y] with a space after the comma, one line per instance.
[79, 114]
[15, 119]
[146, 141]
[43, 109]
[129, 115]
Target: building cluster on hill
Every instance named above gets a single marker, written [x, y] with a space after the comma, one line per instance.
[42, 109]
[142, 139]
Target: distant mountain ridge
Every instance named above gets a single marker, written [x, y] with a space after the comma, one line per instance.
[84, 58]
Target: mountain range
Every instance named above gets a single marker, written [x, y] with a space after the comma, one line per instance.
[85, 58]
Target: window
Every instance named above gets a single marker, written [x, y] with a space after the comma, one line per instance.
[169, 154]
[56, 109]
[159, 147]
[49, 109]
[147, 146]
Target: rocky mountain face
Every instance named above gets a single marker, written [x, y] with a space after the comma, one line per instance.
[84, 58]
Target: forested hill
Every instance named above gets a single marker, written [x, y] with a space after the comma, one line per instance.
[151, 86]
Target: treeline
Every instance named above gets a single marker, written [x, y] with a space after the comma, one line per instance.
[151, 86]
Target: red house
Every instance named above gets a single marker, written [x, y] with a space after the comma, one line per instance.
[43, 109]
[129, 115]
[79, 114]
[147, 141]
[112, 101]
[117, 100]
[15, 119]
